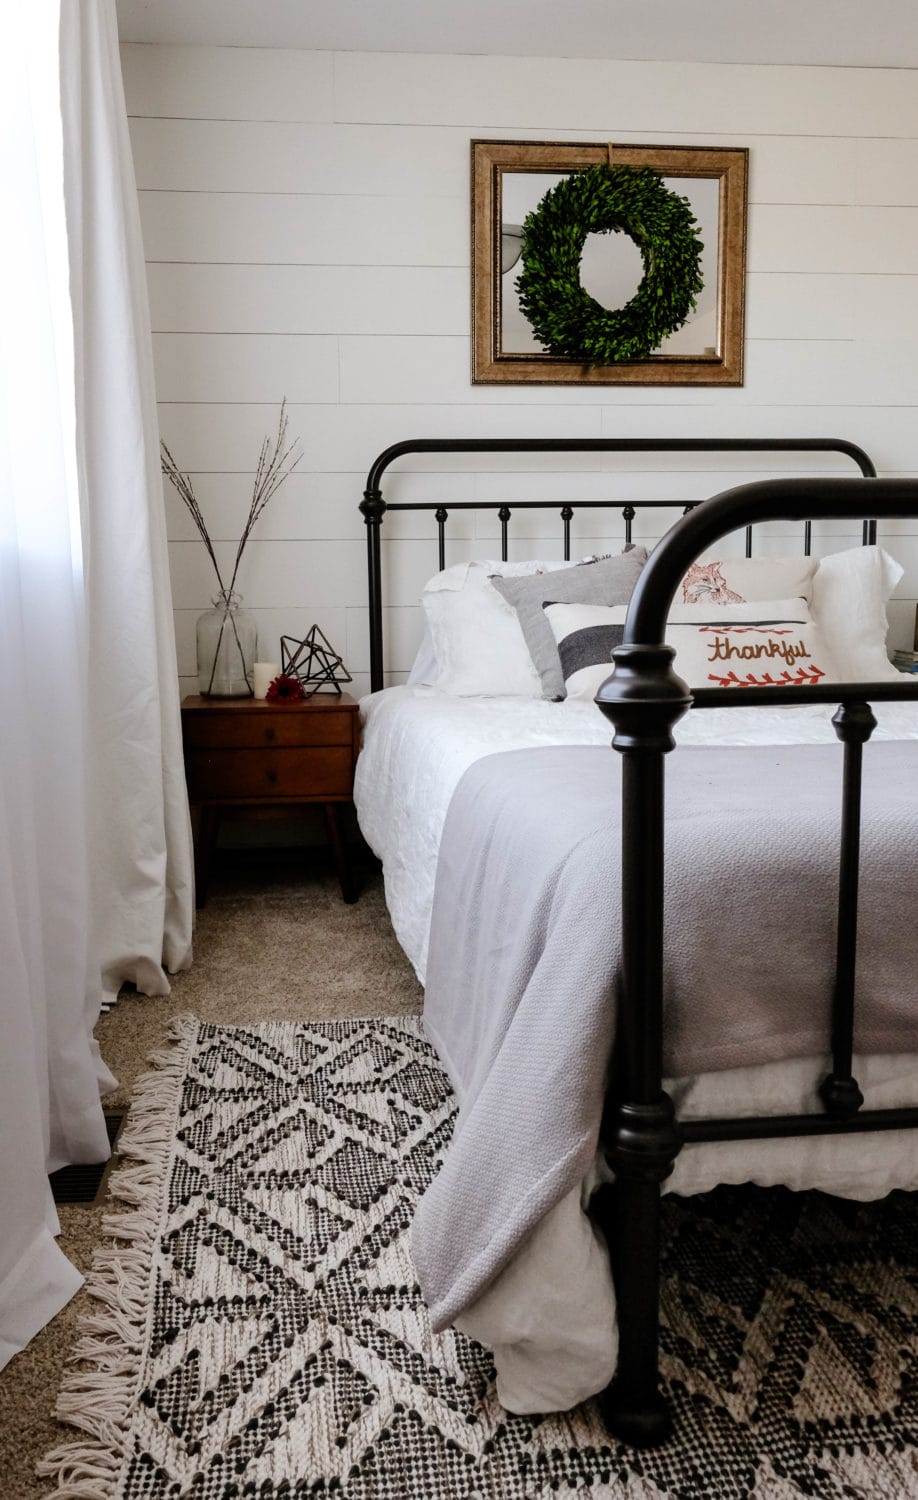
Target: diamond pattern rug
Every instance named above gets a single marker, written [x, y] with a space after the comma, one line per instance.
[258, 1330]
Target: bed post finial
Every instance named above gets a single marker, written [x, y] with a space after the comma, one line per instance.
[643, 699]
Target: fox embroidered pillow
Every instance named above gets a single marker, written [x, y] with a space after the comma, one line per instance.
[772, 643]
[740, 580]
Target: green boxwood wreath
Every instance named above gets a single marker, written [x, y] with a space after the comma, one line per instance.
[634, 201]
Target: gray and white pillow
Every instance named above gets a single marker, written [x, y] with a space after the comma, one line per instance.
[608, 580]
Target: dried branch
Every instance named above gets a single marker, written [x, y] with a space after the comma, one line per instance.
[274, 465]
[181, 483]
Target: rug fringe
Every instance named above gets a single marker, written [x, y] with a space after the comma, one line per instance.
[98, 1392]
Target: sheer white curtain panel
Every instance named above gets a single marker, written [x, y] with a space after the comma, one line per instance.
[50, 1074]
[139, 807]
[95, 846]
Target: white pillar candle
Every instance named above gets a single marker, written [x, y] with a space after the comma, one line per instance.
[265, 673]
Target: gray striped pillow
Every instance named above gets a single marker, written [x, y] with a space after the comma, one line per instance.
[608, 580]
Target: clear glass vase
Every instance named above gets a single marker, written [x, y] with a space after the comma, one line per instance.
[227, 648]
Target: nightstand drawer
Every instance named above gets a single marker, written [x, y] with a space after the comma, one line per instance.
[262, 774]
[267, 726]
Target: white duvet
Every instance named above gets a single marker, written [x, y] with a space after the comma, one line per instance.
[417, 743]
[550, 1316]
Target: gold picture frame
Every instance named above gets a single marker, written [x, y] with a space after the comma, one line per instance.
[509, 178]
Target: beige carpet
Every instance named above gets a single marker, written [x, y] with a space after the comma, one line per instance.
[273, 943]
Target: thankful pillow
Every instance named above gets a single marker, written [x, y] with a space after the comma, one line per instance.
[772, 643]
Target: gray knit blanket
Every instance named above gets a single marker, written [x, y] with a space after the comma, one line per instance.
[525, 944]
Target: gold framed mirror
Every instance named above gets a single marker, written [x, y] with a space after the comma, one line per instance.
[509, 182]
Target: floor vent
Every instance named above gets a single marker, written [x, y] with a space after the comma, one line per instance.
[85, 1182]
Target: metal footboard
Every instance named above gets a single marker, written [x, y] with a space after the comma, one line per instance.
[644, 699]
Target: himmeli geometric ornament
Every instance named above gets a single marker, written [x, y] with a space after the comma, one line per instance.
[313, 661]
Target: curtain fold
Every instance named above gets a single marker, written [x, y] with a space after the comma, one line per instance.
[139, 806]
[95, 847]
[50, 1075]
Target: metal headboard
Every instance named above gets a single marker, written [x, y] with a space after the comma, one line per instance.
[374, 507]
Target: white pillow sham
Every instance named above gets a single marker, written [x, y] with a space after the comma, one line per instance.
[477, 645]
[851, 590]
[772, 642]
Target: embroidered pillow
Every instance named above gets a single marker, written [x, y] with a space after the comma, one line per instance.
[606, 580]
[772, 643]
[738, 580]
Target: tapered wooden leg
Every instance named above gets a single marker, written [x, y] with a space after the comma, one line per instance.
[208, 833]
[339, 853]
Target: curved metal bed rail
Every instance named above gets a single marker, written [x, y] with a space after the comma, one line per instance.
[616, 445]
[791, 499]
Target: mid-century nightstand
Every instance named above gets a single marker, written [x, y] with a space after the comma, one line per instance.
[246, 752]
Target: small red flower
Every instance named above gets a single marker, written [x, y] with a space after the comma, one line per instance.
[284, 689]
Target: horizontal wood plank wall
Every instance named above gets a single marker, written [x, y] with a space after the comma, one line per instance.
[305, 220]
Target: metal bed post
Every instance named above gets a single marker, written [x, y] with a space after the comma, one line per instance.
[639, 1133]
[373, 508]
[854, 723]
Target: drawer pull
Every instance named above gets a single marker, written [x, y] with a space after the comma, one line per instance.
[270, 734]
[272, 776]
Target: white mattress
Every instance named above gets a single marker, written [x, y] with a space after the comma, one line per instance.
[550, 1316]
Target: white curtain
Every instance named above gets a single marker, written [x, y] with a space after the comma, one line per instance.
[144, 875]
[95, 852]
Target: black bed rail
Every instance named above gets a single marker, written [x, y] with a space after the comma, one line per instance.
[790, 499]
[616, 445]
[822, 692]
[776, 1127]
[644, 699]
[374, 507]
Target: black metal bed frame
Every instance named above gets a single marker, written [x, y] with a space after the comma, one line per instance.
[643, 699]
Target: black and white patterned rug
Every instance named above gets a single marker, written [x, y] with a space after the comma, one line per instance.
[258, 1330]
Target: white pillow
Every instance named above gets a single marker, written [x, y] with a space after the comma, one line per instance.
[478, 646]
[850, 593]
[424, 667]
[772, 642]
[736, 580]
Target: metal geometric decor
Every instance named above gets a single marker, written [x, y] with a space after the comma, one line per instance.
[313, 662]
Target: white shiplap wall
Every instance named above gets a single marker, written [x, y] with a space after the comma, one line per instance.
[305, 219]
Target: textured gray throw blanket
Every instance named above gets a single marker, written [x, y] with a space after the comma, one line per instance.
[524, 950]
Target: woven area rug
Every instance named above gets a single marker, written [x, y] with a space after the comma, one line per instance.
[258, 1330]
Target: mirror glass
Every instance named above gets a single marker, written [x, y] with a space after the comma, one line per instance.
[610, 268]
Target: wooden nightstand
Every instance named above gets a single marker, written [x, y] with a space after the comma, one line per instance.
[245, 752]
